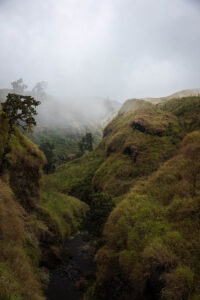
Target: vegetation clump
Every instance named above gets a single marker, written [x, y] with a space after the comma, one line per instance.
[94, 219]
[19, 279]
[19, 111]
[48, 149]
[86, 143]
[75, 177]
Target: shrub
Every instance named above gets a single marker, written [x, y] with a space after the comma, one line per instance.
[100, 207]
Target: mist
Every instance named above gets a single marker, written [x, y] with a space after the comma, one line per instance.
[75, 115]
[109, 48]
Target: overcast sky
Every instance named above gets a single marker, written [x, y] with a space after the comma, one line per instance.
[115, 48]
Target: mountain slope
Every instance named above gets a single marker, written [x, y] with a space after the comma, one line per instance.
[149, 163]
[152, 237]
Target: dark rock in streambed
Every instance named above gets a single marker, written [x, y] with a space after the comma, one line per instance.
[69, 281]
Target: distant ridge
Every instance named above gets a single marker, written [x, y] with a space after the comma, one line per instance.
[133, 104]
[180, 94]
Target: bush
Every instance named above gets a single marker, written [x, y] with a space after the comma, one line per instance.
[100, 207]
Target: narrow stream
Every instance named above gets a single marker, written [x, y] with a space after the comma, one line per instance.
[66, 280]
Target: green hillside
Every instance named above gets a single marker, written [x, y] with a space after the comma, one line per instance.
[148, 161]
[152, 237]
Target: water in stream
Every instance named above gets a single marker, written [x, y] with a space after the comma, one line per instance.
[64, 280]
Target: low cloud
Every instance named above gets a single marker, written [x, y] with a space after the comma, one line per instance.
[115, 48]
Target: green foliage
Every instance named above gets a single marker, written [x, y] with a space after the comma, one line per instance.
[187, 110]
[24, 161]
[9, 287]
[86, 143]
[154, 233]
[65, 142]
[91, 293]
[75, 178]
[61, 213]
[114, 176]
[179, 284]
[100, 207]
[20, 111]
[22, 147]
[48, 149]
[4, 127]
[18, 278]
[135, 143]
[17, 110]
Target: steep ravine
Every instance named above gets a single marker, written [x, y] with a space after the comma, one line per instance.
[68, 281]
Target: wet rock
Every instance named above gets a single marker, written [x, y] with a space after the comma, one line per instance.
[69, 280]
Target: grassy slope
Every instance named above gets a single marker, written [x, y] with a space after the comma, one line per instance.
[18, 276]
[32, 225]
[152, 237]
[130, 153]
[61, 212]
[141, 138]
[75, 177]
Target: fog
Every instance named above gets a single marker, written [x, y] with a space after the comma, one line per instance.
[75, 114]
[109, 48]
